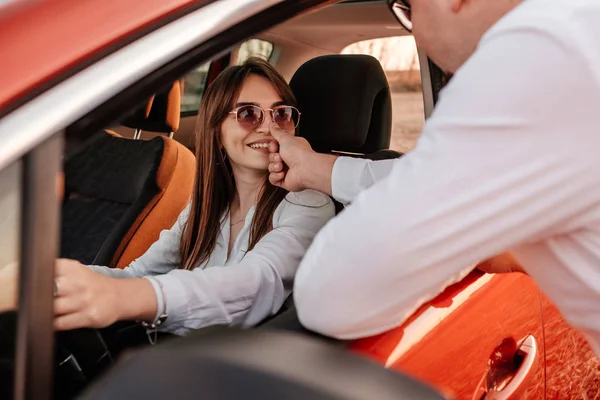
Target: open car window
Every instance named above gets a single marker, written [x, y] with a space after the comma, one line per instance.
[254, 47]
[400, 61]
[194, 86]
[196, 81]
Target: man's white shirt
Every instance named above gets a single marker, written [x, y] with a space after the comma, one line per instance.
[510, 160]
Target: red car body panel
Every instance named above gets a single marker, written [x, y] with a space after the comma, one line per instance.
[41, 40]
[448, 342]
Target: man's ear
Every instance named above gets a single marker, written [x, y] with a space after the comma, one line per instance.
[457, 5]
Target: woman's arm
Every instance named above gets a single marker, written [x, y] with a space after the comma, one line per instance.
[246, 293]
[96, 296]
[85, 298]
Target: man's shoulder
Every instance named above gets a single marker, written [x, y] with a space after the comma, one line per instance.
[556, 16]
[570, 25]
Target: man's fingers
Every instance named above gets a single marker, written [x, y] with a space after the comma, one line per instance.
[276, 178]
[278, 133]
[273, 147]
[274, 157]
[275, 167]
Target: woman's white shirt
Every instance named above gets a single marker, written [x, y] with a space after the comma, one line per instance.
[241, 290]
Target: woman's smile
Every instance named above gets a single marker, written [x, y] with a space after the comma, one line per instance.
[261, 146]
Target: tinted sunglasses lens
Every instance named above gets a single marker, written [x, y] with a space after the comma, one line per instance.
[286, 117]
[250, 117]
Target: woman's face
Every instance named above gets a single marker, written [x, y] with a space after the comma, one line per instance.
[248, 150]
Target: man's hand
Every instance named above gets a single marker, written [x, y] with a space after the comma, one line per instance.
[295, 166]
[286, 159]
[502, 263]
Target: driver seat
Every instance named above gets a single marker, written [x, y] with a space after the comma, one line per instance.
[346, 107]
[121, 193]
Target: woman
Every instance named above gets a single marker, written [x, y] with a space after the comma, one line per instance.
[232, 255]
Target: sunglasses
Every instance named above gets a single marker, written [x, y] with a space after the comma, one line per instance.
[251, 117]
[401, 10]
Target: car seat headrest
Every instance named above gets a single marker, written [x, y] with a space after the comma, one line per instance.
[345, 103]
[161, 113]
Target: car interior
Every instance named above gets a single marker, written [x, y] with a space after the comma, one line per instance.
[125, 184]
[326, 31]
[113, 211]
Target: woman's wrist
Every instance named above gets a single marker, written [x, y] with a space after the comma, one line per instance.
[136, 299]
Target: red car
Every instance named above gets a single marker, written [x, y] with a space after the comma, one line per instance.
[73, 68]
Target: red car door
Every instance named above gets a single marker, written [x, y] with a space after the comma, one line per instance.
[483, 334]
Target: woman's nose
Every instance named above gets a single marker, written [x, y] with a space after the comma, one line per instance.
[264, 127]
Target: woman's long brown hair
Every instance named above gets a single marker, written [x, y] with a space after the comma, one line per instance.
[214, 183]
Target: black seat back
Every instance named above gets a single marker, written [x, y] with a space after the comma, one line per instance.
[110, 180]
[345, 102]
[107, 185]
[346, 107]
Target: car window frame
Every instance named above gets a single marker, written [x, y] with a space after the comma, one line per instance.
[40, 235]
[215, 67]
[37, 243]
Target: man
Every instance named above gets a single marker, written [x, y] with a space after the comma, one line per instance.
[508, 161]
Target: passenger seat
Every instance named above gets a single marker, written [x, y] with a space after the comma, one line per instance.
[121, 193]
[346, 107]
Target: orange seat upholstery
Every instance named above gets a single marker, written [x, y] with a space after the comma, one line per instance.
[121, 193]
[175, 180]
[175, 177]
[161, 113]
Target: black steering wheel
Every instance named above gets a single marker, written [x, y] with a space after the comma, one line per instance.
[81, 355]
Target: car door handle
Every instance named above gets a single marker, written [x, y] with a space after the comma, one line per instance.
[511, 369]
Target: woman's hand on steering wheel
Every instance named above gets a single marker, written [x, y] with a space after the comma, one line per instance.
[84, 298]
[87, 299]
